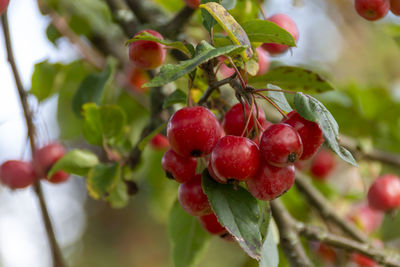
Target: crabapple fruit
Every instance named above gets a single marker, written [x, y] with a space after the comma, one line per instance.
[234, 120]
[45, 157]
[214, 175]
[137, 78]
[3, 5]
[322, 164]
[372, 9]
[263, 60]
[310, 133]
[384, 193]
[193, 131]
[394, 7]
[192, 198]
[180, 168]
[235, 157]
[210, 224]
[147, 54]
[270, 181]
[280, 144]
[192, 3]
[159, 142]
[17, 174]
[285, 22]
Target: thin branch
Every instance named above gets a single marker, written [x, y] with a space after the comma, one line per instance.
[213, 87]
[172, 28]
[289, 239]
[323, 207]
[379, 255]
[140, 12]
[55, 249]
[128, 24]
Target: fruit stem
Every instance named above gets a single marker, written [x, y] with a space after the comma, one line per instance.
[272, 103]
[55, 249]
[238, 73]
[274, 90]
[246, 130]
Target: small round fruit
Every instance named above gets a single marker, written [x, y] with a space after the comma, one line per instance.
[384, 193]
[193, 131]
[323, 164]
[210, 224]
[235, 157]
[310, 133]
[159, 142]
[46, 157]
[214, 175]
[271, 182]
[366, 218]
[280, 144]
[147, 54]
[192, 198]
[137, 78]
[58, 177]
[285, 22]
[17, 174]
[263, 61]
[182, 169]
[234, 120]
[395, 7]
[372, 9]
[3, 6]
[362, 260]
[192, 3]
[265, 125]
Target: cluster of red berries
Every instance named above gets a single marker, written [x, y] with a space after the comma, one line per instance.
[264, 163]
[376, 9]
[17, 174]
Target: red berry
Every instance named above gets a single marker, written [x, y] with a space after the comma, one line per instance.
[234, 120]
[322, 164]
[372, 9]
[395, 7]
[367, 219]
[176, 167]
[192, 3]
[310, 133]
[17, 174]
[271, 182]
[137, 78]
[264, 125]
[384, 193]
[193, 131]
[147, 54]
[285, 22]
[3, 5]
[263, 61]
[46, 157]
[280, 144]
[159, 142]
[214, 175]
[59, 177]
[362, 260]
[235, 157]
[210, 224]
[192, 198]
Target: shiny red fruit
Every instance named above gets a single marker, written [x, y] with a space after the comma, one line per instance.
[147, 54]
[46, 157]
[235, 157]
[192, 3]
[323, 164]
[285, 22]
[182, 169]
[271, 182]
[214, 175]
[264, 125]
[234, 120]
[3, 5]
[384, 193]
[395, 7]
[137, 78]
[17, 174]
[263, 61]
[193, 131]
[192, 198]
[372, 9]
[281, 145]
[59, 177]
[310, 133]
[210, 224]
[159, 142]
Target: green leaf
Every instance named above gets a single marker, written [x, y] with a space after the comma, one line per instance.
[91, 89]
[280, 100]
[178, 96]
[269, 251]
[147, 139]
[238, 211]
[118, 196]
[187, 238]
[107, 122]
[390, 229]
[208, 20]
[169, 73]
[293, 78]
[75, 161]
[52, 34]
[313, 110]
[101, 179]
[264, 31]
[148, 37]
[43, 79]
[230, 25]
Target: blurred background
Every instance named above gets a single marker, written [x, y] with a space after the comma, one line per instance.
[360, 58]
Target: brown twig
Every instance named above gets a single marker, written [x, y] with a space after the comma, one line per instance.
[213, 87]
[55, 249]
[172, 28]
[140, 12]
